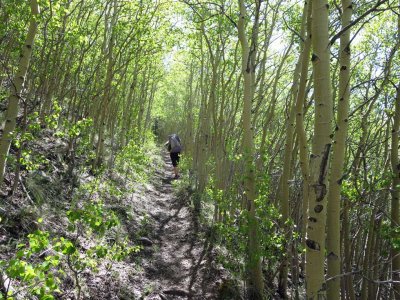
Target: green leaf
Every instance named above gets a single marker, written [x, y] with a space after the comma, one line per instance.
[29, 272]
[69, 248]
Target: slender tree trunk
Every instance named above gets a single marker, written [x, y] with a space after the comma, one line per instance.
[21, 146]
[300, 130]
[348, 280]
[319, 162]
[271, 110]
[287, 165]
[107, 89]
[366, 265]
[128, 114]
[338, 156]
[189, 141]
[16, 90]
[202, 140]
[395, 192]
[254, 272]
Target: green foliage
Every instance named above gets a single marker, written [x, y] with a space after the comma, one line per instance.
[391, 234]
[32, 129]
[30, 161]
[93, 216]
[170, 96]
[52, 119]
[40, 277]
[185, 163]
[80, 133]
[272, 237]
[349, 190]
[232, 232]
[40, 265]
[78, 129]
[134, 159]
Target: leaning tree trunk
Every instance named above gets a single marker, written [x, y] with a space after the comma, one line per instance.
[254, 271]
[287, 166]
[300, 129]
[338, 156]
[319, 162]
[16, 89]
[105, 102]
[395, 192]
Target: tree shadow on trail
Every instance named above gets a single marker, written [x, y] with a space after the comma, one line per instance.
[207, 247]
[184, 265]
[165, 222]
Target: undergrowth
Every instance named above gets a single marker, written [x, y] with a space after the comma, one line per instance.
[226, 215]
[54, 230]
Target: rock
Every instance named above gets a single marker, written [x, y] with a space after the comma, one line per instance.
[145, 241]
[6, 284]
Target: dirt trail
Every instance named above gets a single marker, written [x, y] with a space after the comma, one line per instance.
[179, 264]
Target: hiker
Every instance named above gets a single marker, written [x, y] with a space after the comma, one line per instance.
[174, 147]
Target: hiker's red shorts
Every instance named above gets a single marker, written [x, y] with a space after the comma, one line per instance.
[174, 158]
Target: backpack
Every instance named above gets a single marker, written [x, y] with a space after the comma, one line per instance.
[175, 144]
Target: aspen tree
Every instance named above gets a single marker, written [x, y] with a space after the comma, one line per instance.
[360, 158]
[215, 61]
[264, 87]
[300, 130]
[222, 133]
[188, 137]
[270, 113]
[203, 134]
[365, 246]
[376, 259]
[395, 190]
[150, 105]
[394, 157]
[107, 86]
[368, 246]
[142, 102]
[287, 162]
[348, 281]
[53, 60]
[338, 156]
[16, 89]
[319, 161]
[255, 278]
[126, 105]
[130, 103]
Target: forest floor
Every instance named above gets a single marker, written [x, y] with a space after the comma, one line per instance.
[178, 260]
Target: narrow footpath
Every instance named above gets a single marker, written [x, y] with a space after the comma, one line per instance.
[178, 261]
